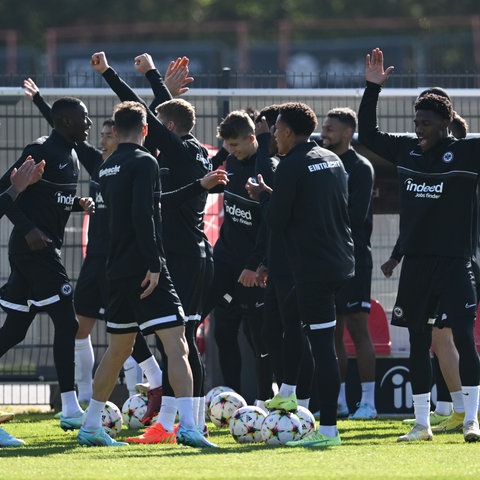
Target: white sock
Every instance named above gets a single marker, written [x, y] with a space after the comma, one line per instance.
[70, 406]
[93, 416]
[421, 407]
[328, 430]
[303, 402]
[444, 408]
[196, 409]
[260, 404]
[201, 412]
[133, 375]
[152, 372]
[342, 396]
[168, 412]
[368, 393]
[84, 359]
[470, 401]
[286, 390]
[457, 399]
[185, 412]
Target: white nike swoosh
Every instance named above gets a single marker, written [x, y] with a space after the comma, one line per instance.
[349, 305]
[259, 304]
[470, 305]
[263, 355]
[415, 154]
[62, 166]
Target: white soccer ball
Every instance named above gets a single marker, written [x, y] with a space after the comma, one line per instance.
[223, 406]
[246, 424]
[280, 427]
[210, 395]
[133, 410]
[111, 419]
[307, 420]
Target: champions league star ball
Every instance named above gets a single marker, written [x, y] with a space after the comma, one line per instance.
[223, 406]
[246, 424]
[307, 420]
[133, 410]
[111, 419]
[210, 395]
[280, 427]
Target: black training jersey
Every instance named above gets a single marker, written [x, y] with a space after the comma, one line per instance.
[46, 204]
[437, 187]
[6, 201]
[241, 240]
[309, 205]
[130, 186]
[360, 206]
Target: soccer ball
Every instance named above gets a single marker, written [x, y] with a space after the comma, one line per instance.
[133, 410]
[280, 427]
[223, 406]
[246, 424]
[111, 419]
[210, 395]
[307, 420]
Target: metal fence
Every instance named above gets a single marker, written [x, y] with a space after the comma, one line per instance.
[32, 360]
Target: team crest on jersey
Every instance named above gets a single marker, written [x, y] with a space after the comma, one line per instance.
[447, 157]
[398, 312]
[66, 289]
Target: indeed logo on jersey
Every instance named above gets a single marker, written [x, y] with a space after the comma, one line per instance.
[237, 214]
[65, 200]
[422, 190]
[108, 172]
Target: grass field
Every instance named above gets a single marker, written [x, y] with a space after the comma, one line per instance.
[369, 450]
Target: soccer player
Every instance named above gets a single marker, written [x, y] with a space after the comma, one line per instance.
[308, 207]
[238, 252]
[438, 177]
[353, 299]
[38, 280]
[27, 174]
[139, 285]
[275, 274]
[90, 291]
[183, 160]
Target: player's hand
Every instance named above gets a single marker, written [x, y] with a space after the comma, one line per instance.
[176, 77]
[149, 283]
[255, 187]
[99, 62]
[261, 276]
[374, 71]
[144, 63]
[87, 204]
[212, 179]
[30, 88]
[27, 174]
[37, 240]
[247, 278]
[388, 267]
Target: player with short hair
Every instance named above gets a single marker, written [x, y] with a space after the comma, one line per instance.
[353, 299]
[308, 207]
[139, 286]
[38, 280]
[438, 176]
[238, 252]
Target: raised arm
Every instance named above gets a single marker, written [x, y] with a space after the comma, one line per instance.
[374, 68]
[33, 93]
